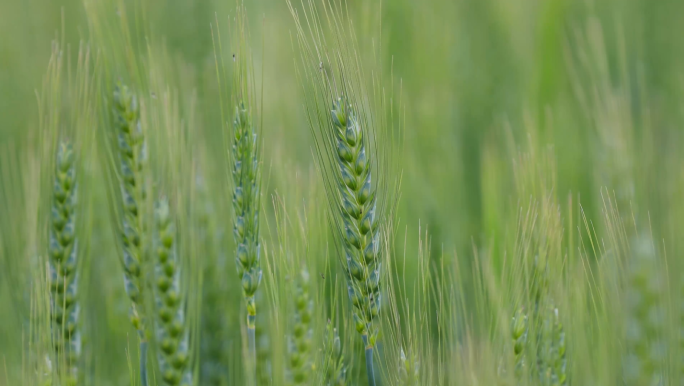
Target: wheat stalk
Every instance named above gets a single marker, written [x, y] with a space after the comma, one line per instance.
[171, 333]
[264, 349]
[63, 263]
[213, 339]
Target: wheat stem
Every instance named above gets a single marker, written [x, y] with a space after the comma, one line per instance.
[143, 363]
[369, 361]
[251, 342]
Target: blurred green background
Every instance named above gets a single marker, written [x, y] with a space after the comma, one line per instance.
[598, 82]
[469, 70]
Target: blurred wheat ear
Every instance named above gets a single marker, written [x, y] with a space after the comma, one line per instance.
[127, 153]
[63, 264]
[300, 340]
[646, 315]
[171, 332]
[242, 145]
[519, 337]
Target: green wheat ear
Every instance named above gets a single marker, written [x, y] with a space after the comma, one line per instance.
[360, 236]
[559, 375]
[63, 263]
[552, 371]
[335, 372]
[131, 163]
[246, 209]
[131, 160]
[352, 138]
[409, 370]
[171, 332]
[519, 328]
[646, 349]
[299, 361]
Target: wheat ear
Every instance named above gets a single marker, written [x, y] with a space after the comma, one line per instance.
[132, 158]
[519, 336]
[360, 236]
[333, 361]
[63, 263]
[246, 208]
[646, 351]
[171, 333]
[409, 370]
[559, 376]
[302, 332]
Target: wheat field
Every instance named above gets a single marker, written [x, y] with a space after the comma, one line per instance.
[341, 192]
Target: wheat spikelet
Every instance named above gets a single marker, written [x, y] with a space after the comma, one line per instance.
[63, 263]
